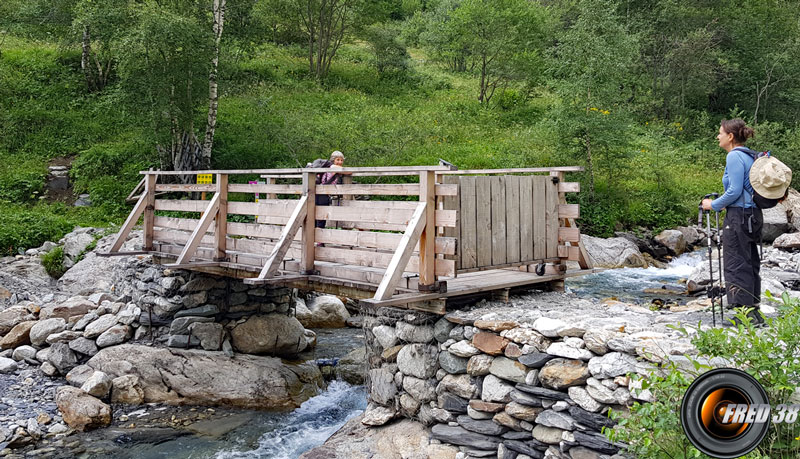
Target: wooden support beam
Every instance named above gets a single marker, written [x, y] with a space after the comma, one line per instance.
[310, 192]
[566, 234]
[427, 242]
[296, 220]
[569, 187]
[221, 227]
[197, 235]
[569, 210]
[403, 253]
[133, 217]
[149, 210]
[584, 260]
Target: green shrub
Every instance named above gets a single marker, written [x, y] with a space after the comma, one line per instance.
[23, 227]
[53, 262]
[769, 355]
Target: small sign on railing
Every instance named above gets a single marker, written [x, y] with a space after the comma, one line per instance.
[256, 182]
[204, 179]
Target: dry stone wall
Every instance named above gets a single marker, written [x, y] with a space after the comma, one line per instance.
[507, 389]
[186, 309]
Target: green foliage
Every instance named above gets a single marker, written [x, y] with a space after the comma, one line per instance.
[768, 354]
[53, 262]
[390, 54]
[22, 228]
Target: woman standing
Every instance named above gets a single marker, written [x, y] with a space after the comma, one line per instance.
[743, 220]
[329, 178]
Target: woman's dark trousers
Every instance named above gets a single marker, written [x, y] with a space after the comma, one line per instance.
[741, 235]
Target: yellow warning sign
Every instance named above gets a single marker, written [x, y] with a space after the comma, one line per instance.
[204, 179]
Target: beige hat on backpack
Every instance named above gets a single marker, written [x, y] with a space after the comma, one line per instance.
[769, 177]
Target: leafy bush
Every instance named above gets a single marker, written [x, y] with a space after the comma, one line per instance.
[53, 262]
[769, 355]
[22, 227]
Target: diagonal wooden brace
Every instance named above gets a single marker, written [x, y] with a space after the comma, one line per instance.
[403, 253]
[296, 220]
[137, 211]
[197, 235]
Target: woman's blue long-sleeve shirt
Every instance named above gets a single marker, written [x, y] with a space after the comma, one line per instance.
[736, 180]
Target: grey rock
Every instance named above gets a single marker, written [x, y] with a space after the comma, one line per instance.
[596, 442]
[418, 360]
[129, 314]
[99, 326]
[562, 349]
[97, 385]
[62, 337]
[45, 328]
[83, 346]
[182, 341]
[422, 390]
[611, 365]
[382, 386]
[543, 392]
[452, 364]
[62, 358]
[414, 333]
[452, 403]
[523, 398]
[479, 365]
[464, 349]
[377, 415]
[441, 330]
[481, 427]
[592, 420]
[549, 435]
[560, 420]
[496, 390]
[616, 252]
[180, 326]
[81, 324]
[463, 385]
[275, 334]
[673, 240]
[7, 365]
[596, 340]
[508, 369]
[207, 310]
[580, 396]
[456, 435]
[209, 334]
[117, 334]
[386, 336]
[23, 352]
[78, 375]
[48, 369]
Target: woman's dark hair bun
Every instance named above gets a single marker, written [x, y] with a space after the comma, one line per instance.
[740, 130]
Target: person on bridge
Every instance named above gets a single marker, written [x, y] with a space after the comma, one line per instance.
[336, 161]
[743, 221]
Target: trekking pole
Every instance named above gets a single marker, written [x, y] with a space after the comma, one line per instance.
[710, 291]
[719, 265]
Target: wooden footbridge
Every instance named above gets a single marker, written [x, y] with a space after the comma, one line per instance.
[440, 234]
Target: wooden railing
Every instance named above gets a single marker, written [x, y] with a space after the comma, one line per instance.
[386, 246]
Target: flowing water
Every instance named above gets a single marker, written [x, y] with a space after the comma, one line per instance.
[629, 284]
[287, 435]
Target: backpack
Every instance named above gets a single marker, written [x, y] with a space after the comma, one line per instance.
[760, 201]
[319, 164]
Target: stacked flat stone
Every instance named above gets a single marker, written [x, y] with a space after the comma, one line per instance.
[187, 309]
[499, 388]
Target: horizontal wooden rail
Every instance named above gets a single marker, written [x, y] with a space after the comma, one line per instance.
[522, 170]
[444, 218]
[378, 259]
[390, 189]
[403, 170]
[264, 188]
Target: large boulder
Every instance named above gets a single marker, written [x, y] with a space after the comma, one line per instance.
[673, 240]
[75, 243]
[194, 377]
[615, 252]
[80, 410]
[95, 273]
[776, 222]
[405, 438]
[274, 334]
[327, 311]
[13, 316]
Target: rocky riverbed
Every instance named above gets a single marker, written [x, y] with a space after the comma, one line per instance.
[54, 329]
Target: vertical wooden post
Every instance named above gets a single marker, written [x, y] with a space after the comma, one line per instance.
[271, 181]
[309, 190]
[149, 214]
[221, 228]
[427, 260]
[347, 180]
[558, 285]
